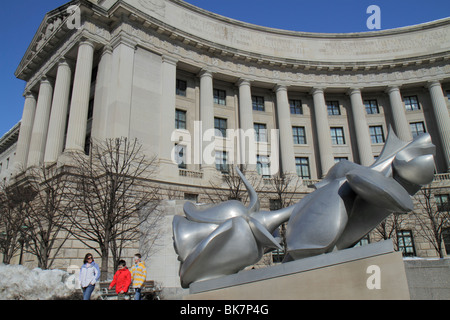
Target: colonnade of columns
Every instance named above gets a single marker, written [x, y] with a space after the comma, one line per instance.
[43, 125]
[41, 138]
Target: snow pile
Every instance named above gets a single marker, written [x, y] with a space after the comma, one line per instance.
[19, 282]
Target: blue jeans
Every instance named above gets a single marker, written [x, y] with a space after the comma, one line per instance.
[137, 294]
[88, 291]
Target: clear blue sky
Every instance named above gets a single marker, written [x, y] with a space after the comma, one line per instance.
[20, 20]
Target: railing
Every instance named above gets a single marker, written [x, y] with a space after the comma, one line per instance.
[441, 177]
[190, 173]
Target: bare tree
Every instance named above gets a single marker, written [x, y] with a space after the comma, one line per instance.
[231, 186]
[432, 219]
[112, 196]
[14, 207]
[45, 222]
[389, 227]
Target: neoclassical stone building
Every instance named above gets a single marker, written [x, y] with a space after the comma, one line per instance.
[156, 69]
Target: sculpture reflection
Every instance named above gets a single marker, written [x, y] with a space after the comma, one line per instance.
[351, 201]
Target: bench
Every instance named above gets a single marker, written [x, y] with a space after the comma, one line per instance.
[148, 292]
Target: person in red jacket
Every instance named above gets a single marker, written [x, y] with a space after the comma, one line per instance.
[122, 279]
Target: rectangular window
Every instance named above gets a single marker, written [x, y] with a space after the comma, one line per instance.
[180, 119]
[221, 161]
[221, 127]
[417, 128]
[260, 132]
[442, 203]
[411, 103]
[220, 97]
[296, 106]
[191, 197]
[371, 106]
[376, 134]
[333, 108]
[339, 159]
[258, 103]
[263, 166]
[446, 238]
[406, 243]
[337, 136]
[181, 86]
[302, 166]
[180, 156]
[299, 135]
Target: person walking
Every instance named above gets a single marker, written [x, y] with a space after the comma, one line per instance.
[89, 275]
[138, 276]
[122, 280]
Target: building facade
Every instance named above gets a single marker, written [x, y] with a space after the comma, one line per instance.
[167, 73]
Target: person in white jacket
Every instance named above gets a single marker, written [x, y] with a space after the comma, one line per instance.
[89, 275]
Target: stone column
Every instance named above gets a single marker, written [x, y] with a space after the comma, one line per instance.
[246, 133]
[361, 128]
[323, 130]
[285, 127]
[40, 126]
[442, 118]
[207, 118]
[401, 125]
[168, 104]
[76, 131]
[58, 116]
[102, 90]
[26, 128]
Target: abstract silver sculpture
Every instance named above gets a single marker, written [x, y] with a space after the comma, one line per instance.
[352, 200]
[225, 238]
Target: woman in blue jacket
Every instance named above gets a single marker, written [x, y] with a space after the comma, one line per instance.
[89, 275]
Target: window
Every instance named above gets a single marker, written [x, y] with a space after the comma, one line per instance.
[180, 119]
[405, 243]
[446, 238]
[1, 165]
[299, 135]
[411, 103]
[296, 106]
[191, 197]
[221, 127]
[337, 135]
[442, 203]
[417, 128]
[333, 108]
[274, 204]
[180, 156]
[260, 132]
[376, 134]
[277, 256]
[221, 161]
[263, 166]
[371, 106]
[181, 86]
[339, 159]
[220, 97]
[302, 166]
[7, 163]
[258, 103]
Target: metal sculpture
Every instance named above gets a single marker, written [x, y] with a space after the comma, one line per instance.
[223, 239]
[352, 200]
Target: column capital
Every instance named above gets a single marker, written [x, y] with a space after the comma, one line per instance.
[243, 82]
[205, 73]
[317, 90]
[391, 89]
[87, 41]
[280, 87]
[433, 83]
[354, 90]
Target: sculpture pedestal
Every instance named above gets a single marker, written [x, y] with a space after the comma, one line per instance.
[374, 271]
